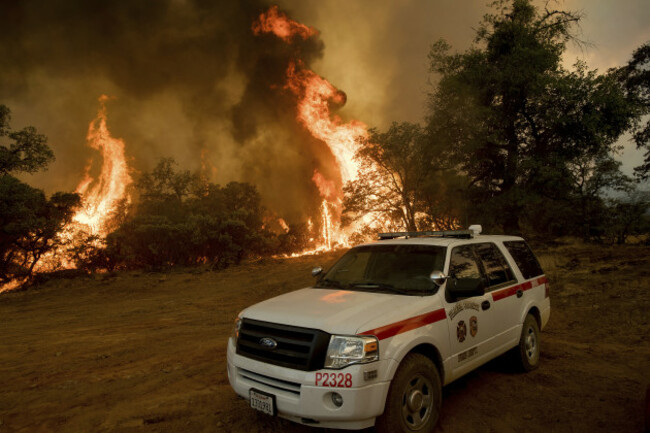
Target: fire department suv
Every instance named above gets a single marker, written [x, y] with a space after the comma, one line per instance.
[374, 340]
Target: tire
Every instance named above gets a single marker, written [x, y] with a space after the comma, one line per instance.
[414, 398]
[526, 354]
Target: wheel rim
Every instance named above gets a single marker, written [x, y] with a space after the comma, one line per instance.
[531, 345]
[417, 402]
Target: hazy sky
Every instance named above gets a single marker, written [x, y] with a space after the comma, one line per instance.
[191, 81]
[376, 51]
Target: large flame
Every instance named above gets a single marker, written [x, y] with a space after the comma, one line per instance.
[278, 23]
[101, 196]
[316, 97]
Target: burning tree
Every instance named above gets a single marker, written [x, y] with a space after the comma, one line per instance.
[403, 182]
[29, 222]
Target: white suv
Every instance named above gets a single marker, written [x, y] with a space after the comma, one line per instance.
[374, 340]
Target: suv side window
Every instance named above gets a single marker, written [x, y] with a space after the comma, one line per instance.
[463, 263]
[525, 259]
[496, 267]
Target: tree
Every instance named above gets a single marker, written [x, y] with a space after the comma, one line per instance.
[180, 219]
[401, 181]
[28, 152]
[635, 76]
[29, 222]
[512, 118]
[393, 168]
[628, 216]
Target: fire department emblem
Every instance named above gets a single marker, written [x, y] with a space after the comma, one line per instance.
[461, 331]
[473, 326]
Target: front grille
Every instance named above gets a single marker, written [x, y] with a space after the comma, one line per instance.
[298, 348]
[277, 384]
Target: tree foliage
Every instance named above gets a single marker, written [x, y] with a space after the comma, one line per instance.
[513, 120]
[27, 152]
[635, 76]
[402, 181]
[180, 219]
[29, 221]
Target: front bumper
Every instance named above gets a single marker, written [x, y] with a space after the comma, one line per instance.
[299, 399]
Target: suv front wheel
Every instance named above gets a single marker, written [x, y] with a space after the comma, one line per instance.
[414, 397]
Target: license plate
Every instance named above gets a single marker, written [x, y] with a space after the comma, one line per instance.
[262, 401]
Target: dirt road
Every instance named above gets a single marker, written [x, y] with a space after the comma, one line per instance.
[140, 352]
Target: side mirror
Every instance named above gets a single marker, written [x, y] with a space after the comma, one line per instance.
[466, 287]
[316, 271]
[438, 278]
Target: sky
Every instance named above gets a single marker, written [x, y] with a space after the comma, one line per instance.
[189, 80]
[377, 51]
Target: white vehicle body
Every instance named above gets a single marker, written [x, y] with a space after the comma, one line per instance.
[457, 335]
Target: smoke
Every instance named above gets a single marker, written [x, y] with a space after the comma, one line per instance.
[190, 80]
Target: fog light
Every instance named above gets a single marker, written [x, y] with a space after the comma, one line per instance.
[337, 399]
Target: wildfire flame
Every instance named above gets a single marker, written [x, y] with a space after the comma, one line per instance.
[101, 197]
[276, 22]
[316, 95]
[315, 99]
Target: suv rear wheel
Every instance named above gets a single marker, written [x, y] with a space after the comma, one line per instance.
[414, 397]
[527, 353]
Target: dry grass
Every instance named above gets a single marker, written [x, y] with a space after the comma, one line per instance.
[141, 352]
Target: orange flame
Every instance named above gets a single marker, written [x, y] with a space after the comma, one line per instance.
[101, 198]
[327, 188]
[316, 97]
[279, 24]
[284, 225]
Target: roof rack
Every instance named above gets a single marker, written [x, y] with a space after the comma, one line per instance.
[464, 234]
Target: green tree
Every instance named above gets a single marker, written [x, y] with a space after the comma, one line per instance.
[180, 219]
[511, 117]
[27, 152]
[636, 78]
[628, 216]
[29, 221]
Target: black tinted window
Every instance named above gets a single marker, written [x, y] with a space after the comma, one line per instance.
[403, 268]
[525, 259]
[496, 267]
[463, 264]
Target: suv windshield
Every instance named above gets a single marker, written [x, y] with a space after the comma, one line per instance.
[401, 269]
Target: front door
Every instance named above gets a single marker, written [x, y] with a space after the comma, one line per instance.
[473, 322]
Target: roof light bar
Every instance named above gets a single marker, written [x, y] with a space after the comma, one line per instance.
[444, 234]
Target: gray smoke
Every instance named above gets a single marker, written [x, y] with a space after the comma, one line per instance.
[190, 80]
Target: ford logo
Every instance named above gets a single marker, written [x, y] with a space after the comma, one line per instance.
[268, 343]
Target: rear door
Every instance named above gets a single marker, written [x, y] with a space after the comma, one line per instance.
[503, 294]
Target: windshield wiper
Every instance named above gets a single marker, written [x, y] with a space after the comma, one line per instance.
[380, 286]
[325, 283]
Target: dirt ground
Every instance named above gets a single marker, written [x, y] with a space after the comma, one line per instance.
[146, 352]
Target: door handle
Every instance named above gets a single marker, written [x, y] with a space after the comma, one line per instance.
[485, 305]
[520, 293]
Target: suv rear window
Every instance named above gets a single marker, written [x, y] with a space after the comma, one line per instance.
[525, 259]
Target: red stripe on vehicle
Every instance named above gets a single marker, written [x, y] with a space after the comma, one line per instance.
[510, 291]
[407, 325]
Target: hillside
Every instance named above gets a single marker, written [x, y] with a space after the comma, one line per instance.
[145, 352]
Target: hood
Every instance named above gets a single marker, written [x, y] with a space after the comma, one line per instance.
[333, 311]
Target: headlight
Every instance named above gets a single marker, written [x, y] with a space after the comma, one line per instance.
[347, 350]
[236, 328]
